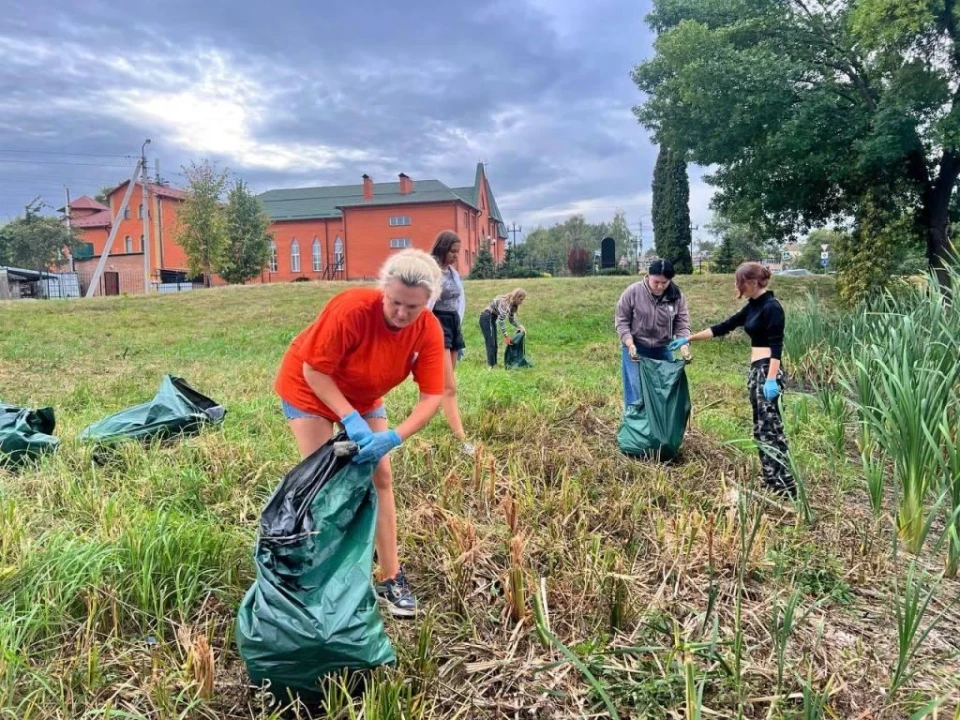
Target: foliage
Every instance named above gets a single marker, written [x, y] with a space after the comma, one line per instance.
[103, 196]
[202, 230]
[34, 241]
[810, 110]
[809, 257]
[516, 264]
[547, 248]
[579, 261]
[671, 210]
[247, 249]
[484, 267]
[738, 243]
[615, 271]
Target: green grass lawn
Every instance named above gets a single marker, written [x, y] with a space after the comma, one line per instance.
[659, 579]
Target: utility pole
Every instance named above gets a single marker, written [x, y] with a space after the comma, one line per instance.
[514, 232]
[73, 266]
[115, 226]
[639, 242]
[156, 169]
[145, 216]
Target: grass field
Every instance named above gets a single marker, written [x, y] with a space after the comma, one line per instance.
[648, 590]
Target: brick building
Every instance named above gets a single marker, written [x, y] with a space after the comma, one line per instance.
[347, 231]
[342, 232]
[125, 266]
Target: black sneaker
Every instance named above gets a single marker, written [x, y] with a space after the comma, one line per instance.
[396, 596]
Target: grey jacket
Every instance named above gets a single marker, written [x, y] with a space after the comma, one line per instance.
[650, 320]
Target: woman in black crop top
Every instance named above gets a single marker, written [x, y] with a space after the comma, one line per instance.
[763, 320]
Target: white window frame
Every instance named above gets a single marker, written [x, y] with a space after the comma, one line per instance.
[316, 255]
[338, 253]
[399, 220]
[127, 244]
[274, 260]
[294, 256]
[401, 243]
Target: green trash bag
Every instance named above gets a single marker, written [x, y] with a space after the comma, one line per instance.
[654, 427]
[25, 433]
[176, 409]
[312, 610]
[516, 355]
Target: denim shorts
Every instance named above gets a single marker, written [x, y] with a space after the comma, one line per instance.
[292, 413]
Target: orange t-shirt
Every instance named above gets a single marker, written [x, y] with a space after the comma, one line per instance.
[351, 342]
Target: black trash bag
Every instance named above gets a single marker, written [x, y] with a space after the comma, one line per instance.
[25, 433]
[515, 355]
[655, 426]
[176, 409]
[312, 610]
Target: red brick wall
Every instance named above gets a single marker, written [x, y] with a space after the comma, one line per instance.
[304, 232]
[129, 269]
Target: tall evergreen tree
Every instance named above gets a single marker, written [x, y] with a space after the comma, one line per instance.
[247, 249]
[671, 210]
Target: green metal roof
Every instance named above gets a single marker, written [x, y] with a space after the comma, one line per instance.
[326, 202]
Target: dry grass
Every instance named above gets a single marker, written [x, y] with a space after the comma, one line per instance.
[561, 579]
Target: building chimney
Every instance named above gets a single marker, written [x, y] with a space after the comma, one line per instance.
[367, 187]
[406, 184]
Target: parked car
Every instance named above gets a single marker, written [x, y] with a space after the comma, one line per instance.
[798, 272]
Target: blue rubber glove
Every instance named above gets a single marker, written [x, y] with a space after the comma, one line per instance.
[771, 390]
[356, 427]
[375, 446]
[677, 344]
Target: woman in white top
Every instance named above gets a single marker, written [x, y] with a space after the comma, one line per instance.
[449, 309]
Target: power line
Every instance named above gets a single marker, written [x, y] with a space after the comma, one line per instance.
[53, 152]
[3, 161]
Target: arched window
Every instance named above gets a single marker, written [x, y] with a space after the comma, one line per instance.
[316, 253]
[274, 265]
[294, 256]
[338, 253]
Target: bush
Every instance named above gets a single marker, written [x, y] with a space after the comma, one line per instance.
[483, 267]
[615, 271]
[579, 261]
[507, 271]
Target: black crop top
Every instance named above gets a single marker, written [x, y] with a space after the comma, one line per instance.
[762, 319]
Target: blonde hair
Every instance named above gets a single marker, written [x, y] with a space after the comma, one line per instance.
[414, 268]
[515, 297]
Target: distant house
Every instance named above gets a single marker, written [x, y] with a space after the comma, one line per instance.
[124, 271]
[348, 231]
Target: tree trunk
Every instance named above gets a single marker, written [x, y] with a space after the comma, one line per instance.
[935, 214]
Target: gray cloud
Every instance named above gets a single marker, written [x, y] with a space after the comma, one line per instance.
[291, 93]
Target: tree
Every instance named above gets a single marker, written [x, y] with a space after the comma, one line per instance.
[812, 111]
[809, 257]
[579, 261]
[103, 196]
[619, 230]
[34, 241]
[202, 231]
[484, 267]
[247, 248]
[738, 243]
[671, 210]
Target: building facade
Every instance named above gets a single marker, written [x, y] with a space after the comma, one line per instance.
[342, 232]
[346, 232]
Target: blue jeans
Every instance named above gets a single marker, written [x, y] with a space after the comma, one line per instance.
[294, 413]
[631, 370]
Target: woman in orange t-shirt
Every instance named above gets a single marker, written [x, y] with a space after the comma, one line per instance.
[364, 343]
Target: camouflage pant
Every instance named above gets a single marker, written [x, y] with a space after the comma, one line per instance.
[768, 432]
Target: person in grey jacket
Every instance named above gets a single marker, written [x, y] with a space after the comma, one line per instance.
[650, 314]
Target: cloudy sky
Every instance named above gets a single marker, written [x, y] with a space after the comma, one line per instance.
[294, 93]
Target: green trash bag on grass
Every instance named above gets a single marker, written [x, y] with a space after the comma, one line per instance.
[176, 409]
[655, 426]
[312, 610]
[516, 352]
[25, 433]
